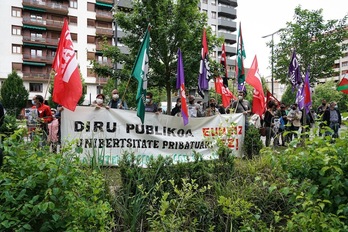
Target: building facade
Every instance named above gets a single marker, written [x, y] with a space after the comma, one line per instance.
[32, 29]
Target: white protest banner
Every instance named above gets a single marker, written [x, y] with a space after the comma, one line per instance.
[109, 133]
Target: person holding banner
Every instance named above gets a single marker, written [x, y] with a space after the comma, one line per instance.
[99, 102]
[176, 111]
[116, 102]
[242, 106]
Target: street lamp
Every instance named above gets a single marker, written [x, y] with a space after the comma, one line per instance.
[272, 61]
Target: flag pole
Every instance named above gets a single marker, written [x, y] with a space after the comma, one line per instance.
[48, 84]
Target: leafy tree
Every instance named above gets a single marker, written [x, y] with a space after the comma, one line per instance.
[318, 44]
[289, 96]
[13, 94]
[174, 24]
[328, 92]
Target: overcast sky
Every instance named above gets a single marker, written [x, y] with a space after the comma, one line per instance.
[260, 18]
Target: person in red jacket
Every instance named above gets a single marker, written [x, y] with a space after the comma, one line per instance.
[44, 114]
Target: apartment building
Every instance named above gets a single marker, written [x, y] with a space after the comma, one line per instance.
[31, 30]
[31, 33]
[222, 15]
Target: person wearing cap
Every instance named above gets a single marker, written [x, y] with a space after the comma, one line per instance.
[99, 102]
[242, 106]
[194, 109]
[116, 102]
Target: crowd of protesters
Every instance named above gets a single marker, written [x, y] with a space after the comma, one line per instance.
[281, 123]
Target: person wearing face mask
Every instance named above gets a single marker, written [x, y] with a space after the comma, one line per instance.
[99, 102]
[294, 117]
[116, 102]
[332, 117]
[194, 109]
[242, 106]
[177, 109]
[150, 106]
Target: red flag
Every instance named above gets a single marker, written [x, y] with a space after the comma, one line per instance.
[226, 94]
[270, 97]
[67, 89]
[223, 61]
[254, 80]
[343, 85]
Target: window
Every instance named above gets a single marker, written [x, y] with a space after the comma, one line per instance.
[90, 6]
[73, 4]
[36, 36]
[90, 39]
[344, 64]
[35, 18]
[17, 66]
[73, 20]
[36, 53]
[213, 28]
[213, 15]
[73, 37]
[90, 23]
[205, 1]
[213, 2]
[99, 89]
[102, 59]
[35, 87]
[16, 49]
[90, 55]
[16, 12]
[16, 30]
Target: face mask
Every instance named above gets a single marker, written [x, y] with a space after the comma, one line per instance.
[336, 107]
[115, 96]
[294, 108]
[240, 98]
[179, 104]
[148, 100]
[191, 102]
[99, 101]
[33, 102]
[212, 104]
[324, 104]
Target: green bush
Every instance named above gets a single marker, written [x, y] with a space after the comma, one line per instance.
[40, 191]
[9, 125]
[252, 142]
[320, 170]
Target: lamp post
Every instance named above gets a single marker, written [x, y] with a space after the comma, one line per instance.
[272, 61]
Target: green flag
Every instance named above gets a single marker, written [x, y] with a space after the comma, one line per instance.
[139, 72]
[240, 60]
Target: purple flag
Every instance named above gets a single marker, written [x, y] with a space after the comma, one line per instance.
[204, 74]
[294, 72]
[180, 84]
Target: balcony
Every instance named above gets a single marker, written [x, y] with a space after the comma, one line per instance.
[229, 2]
[34, 21]
[40, 40]
[230, 50]
[48, 6]
[54, 24]
[35, 76]
[227, 23]
[102, 31]
[227, 11]
[106, 1]
[35, 58]
[228, 36]
[104, 15]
